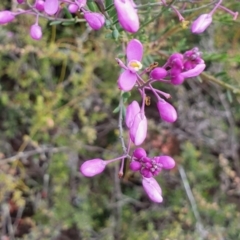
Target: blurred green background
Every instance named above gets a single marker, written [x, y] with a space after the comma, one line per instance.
[57, 98]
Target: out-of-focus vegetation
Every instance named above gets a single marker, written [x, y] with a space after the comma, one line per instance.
[57, 98]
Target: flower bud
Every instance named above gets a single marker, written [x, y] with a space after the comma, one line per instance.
[138, 130]
[36, 32]
[72, 8]
[177, 80]
[95, 20]
[139, 153]
[166, 161]
[146, 173]
[135, 166]
[20, 1]
[152, 189]
[131, 112]
[39, 5]
[167, 111]
[158, 73]
[92, 167]
[127, 15]
[6, 17]
[201, 23]
[51, 6]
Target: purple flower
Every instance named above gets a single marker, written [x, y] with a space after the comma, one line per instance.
[135, 166]
[6, 17]
[194, 72]
[131, 112]
[36, 32]
[167, 111]
[72, 8]
[51, 6]
[166, 162]
[158, 73]
[92, 167]
[127, 15]
[152, 189]
[20, 1]
[39, 5]
[139, 153]
[138, 130]
[95, 20]
[201, 23]
[128, 78]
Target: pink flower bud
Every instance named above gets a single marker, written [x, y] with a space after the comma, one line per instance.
[139, 153]
[167, 111]
[6, 17]
[158, 73]
[36, 32]
[92, 167]
[39, 5]
[51, 6]
[131, 112]
[135, 166]
[146, 173]
[194, 72]
[201, 23]
[72, 8]
[138, 130]
[152, 189]
[177, 80]
[127, 15]
[95, 20]
[166, 161]
[20, 1]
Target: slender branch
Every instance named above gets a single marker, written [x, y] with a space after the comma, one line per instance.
[120, 127]
[36, 151]
[209, 78]
[191, 198]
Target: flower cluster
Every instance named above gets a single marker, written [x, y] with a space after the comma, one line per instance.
[126, 12]
[177, 68]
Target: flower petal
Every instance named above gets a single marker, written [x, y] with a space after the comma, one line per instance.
[138, 131]
[51, 6]
[131, 112]
[127, 80]
[134, 50]
[152, 189]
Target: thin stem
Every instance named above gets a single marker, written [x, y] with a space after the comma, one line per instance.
[192, 201]
[120, 127]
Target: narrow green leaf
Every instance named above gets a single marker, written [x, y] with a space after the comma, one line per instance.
[55, 22]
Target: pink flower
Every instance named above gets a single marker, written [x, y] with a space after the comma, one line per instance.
[39, 5]
[127, 15]
[138, 130]
[95, 20]
[51, 6]
[152, 189]
[158, 73]
[36, 32]
[194, 71]
[128, 78]
[72, 8]
[167, 111]
[201, 23]
[131, 112]
[6, 17]
[166, 162]
[139, 153]
[92, 167]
